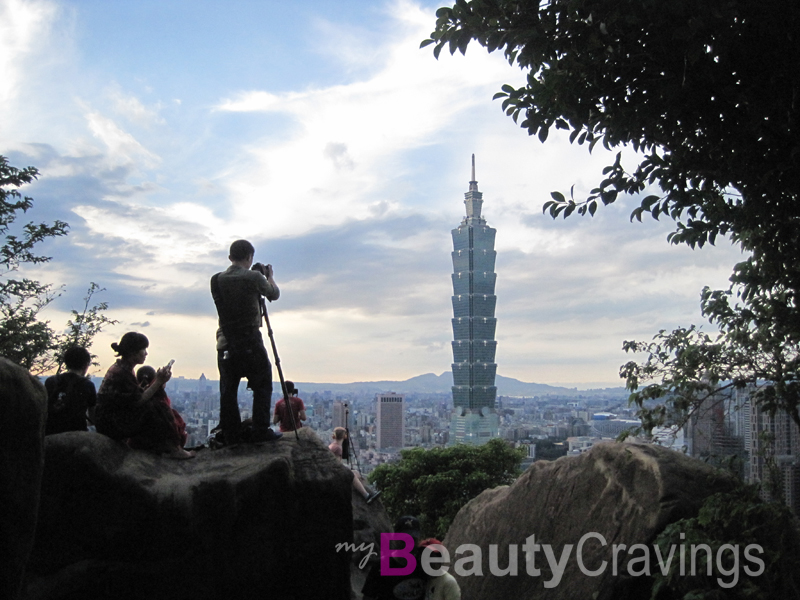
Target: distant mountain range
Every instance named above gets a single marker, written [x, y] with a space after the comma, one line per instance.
[430, 383]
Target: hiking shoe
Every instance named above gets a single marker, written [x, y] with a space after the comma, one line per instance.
[265, 436]
[220, 440]
[372, 496]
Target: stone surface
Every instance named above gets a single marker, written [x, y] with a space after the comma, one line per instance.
[627, 493]
[369, 521]
[23, 412]
[250, 521]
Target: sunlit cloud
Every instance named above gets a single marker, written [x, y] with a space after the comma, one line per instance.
[349, 186]
[22, 25]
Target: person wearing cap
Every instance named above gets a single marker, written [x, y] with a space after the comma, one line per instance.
[440, 587]
[289, 422]
[410, 586]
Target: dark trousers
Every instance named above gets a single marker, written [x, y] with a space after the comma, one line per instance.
[245, 357]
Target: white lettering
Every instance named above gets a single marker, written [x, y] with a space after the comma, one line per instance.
[661, 564]
[351, 547]
[693, 556]
[475, 560]
[495, 569]
[530, 547]
[734, 570]
[427, 560]
[615, 550]
[557, 568]
[579, 554]
[760, 562]
[645, 558]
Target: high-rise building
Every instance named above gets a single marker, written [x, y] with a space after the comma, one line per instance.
[775, 455]
[474, 419]
[391, 427]
[341, 414]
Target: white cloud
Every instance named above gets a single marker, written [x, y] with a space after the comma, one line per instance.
[122, 147]
[350, 190]
[411, 102]
[132, 108]
[23, 24]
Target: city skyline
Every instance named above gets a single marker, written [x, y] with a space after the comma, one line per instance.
[326, 136]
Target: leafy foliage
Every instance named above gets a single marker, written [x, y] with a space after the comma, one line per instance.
[755, 347]
[24, 337]
[434, 484]
[738, 518]
[706, 95]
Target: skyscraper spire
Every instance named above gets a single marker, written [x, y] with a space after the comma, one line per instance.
[473, 184]
[473, 198]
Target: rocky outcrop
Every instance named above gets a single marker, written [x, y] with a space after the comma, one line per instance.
[250, 521]
[369, 521]
[621, 493]
[23, 412]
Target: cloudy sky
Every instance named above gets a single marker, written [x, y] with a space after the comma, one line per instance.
[321, 132]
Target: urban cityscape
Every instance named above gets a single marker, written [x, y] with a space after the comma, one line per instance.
[727, 429]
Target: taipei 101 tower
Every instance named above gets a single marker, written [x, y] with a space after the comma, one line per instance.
[474, 419]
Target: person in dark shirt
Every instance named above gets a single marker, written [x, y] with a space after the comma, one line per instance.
[237, 294]
[71, 396]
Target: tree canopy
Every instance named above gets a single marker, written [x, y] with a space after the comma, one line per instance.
[24, 337]
[434, 484]
[706, 95]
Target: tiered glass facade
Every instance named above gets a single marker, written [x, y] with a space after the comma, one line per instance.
[474, 418]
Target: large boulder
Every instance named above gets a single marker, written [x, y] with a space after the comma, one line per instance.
[625, 493]
[369, 521]
[23, 412]
[250, 521]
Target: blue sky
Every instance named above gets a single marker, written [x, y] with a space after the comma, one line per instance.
[321, 132]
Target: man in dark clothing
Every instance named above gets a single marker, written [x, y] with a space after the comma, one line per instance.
[408, 586]
[237, 294]
[71, 396]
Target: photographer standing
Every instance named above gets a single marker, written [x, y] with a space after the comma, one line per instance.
[237, 293]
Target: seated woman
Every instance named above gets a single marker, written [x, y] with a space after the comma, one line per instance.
[145, 376]
[126, 411]
[339, 436]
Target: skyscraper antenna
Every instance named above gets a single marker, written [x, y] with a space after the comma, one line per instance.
[473, 184]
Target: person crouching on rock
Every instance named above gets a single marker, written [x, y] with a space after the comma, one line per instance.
[145, 376]
[126, 411]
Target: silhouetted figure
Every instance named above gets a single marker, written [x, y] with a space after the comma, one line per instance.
[283, 417]
[237, 294]
[126, 411]
[71, 396]
[146, 375]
